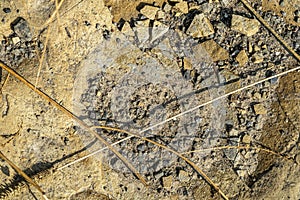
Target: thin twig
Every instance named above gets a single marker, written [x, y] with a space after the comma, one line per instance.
[269, 28]
[75, 118]
[24, 175]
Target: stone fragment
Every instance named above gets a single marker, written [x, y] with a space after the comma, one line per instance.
[182, 7]
[167, 8]
[244, 25]
[215, 51]
[126, 29]
[200, 27]
[15, 40]
[21, 28]
[187, 65]
[160, 14]
[242, 58]
[183, 176]
[257, 58]
[228, 76]
[167, 181]
[126, 9]
[260, 109]
[246, 139]
[149, 11]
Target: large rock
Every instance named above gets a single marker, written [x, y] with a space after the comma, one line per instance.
[244, 25]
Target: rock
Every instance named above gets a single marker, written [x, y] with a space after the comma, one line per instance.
[160, 14]
[244, 25]
[167, 8]
[167, 181]
[228, 76]
[182, 7]
[149, 11]
[126, 29]
[183, 176]
[215, 51]
[21, 28]
[200, 27]
[246, 139]
[15, 40]
[242, 58]
[187, 65]
[126, 9]
[257, 58]
[260, 109]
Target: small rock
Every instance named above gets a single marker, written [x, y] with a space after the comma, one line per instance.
[126, 29]
[244, 25]
[187, 65]
[260, 109]
[167, 181]
[15, 40]
[200, 27]
[229, 76]
[242, 58]
[182, 7]
[257, 58]
[246, 139]
[160, 14]
[21, 28]
[149, 11]
[183, 176]
[257, 95]
[256, 48]
[215, 51]
[167, 8]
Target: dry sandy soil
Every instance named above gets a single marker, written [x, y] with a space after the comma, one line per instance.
[115, 63]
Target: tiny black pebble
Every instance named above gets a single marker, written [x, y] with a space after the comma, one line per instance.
[6, 10]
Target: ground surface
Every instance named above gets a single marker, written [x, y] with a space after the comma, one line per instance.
[133, 64]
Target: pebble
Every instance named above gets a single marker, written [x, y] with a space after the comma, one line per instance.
[260, 109]
[149, 11]
[167, 181]
[200, 27]
[182, 7]
[215, 51]
[257, 58]
[15, 40]
[183, 176]
[126, 29]
[242, 58]
[21, 28]
[246, 139]
[187, 65]
[244, 25]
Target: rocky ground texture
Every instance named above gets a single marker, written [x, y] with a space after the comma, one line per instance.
[132, 64]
